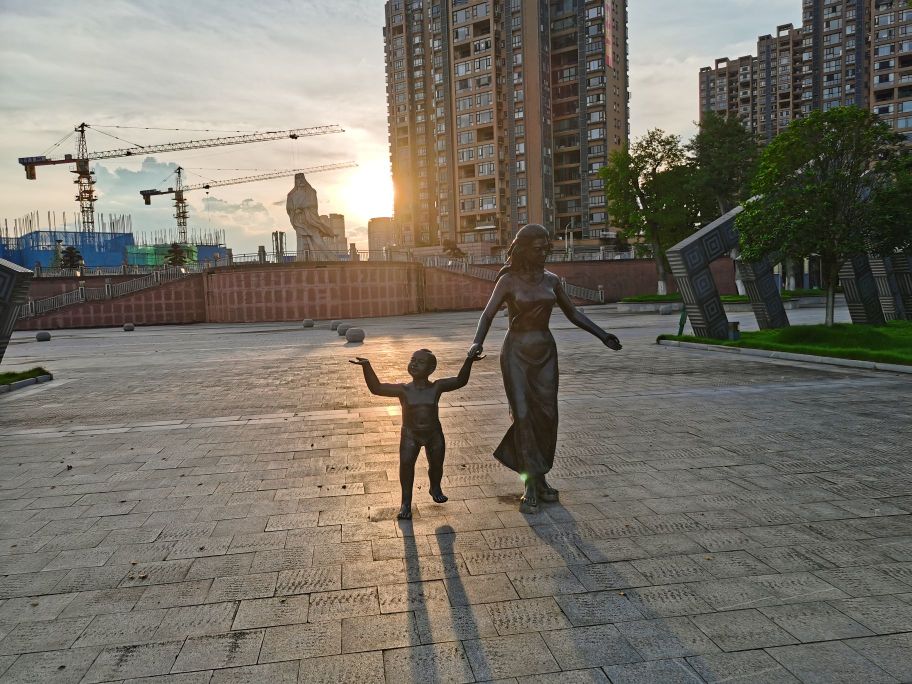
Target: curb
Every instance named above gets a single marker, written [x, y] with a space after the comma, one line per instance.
[19, 384]
[789, 356]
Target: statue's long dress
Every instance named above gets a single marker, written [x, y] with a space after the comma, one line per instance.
[528, 361]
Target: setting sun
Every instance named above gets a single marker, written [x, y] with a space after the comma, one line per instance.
[368, 191]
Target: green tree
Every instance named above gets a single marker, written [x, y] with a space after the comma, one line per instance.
[725, 155]
[652, 196]
[176, 255]
[451, 249]
[70, 258]
[833, 184]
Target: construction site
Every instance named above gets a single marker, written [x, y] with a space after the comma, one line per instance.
[102, 243]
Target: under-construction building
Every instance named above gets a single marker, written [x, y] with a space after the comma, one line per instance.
[501, 113]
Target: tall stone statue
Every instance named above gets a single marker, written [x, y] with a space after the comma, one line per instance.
[313, 235]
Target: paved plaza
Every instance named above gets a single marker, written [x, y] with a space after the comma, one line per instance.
[216, 504]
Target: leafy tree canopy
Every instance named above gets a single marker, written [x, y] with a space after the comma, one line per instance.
[833, 184]
[725, 155]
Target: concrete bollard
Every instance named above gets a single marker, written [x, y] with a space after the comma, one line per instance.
[43, 336]
[354, 335]
[308, 323]
[666, 309]
[129, 327]
[334, 324]
[342, 328]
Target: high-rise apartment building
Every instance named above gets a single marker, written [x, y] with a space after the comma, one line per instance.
[381, 233]
[730, 89]
[781, 80]
[847, 52]
[891, 63]
[500, 114]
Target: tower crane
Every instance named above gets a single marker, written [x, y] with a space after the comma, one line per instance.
[180, 201]
[85, 180]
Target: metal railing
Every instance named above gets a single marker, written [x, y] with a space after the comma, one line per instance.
[489, 274]
[128, 269]
[151, 280]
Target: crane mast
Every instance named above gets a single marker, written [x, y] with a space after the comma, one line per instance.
[85, 180]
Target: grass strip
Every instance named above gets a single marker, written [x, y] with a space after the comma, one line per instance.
[890, 343]
[7, 378]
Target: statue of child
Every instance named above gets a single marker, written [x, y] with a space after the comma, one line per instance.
[420, 422]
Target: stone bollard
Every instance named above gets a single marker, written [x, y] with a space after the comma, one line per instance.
[342, 328]
[128, 327]
[354, 335]
[308, 323]
[334, 324]
[43, 336]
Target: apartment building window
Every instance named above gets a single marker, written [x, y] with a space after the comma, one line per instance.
[486, 169]
[483, 64]
[595, 64]
[467, 205]
[488, 202]
[484, 117]
[884, 19]
[485, 151]
[463, 120]
[520, 165]
[463, 103]
[483, 82]
[466, 138]
[520, 148]
[484, 99]
[465, 155]
[519, 113]
[463, 68]
[467, 188]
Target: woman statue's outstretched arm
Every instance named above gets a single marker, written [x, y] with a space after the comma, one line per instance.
[581, 320]
[501, 289]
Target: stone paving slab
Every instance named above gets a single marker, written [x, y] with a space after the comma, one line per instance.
[216, 504]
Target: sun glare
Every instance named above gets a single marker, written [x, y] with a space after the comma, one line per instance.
[369, 191]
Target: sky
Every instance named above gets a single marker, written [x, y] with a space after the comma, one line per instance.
[211, 67]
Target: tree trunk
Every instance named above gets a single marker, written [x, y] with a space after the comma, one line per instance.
[661, 285]
[830, 303]
[830, 270]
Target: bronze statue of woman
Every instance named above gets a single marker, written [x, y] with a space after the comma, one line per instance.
[528, 359]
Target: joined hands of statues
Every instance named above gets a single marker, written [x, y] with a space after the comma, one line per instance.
[475, 352]
[612, 342]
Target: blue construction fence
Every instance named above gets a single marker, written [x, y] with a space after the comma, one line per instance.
[97, 249]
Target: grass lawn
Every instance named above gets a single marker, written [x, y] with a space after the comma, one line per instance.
[890, 343]
[652, 298]
[7, 378]
[676, 297]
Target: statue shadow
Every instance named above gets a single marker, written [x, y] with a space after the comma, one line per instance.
[601, 564]
[427, 616]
